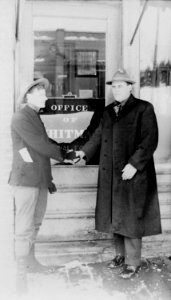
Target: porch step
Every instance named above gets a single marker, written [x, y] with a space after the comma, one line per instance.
[60, 253]
[70, 212]
[68, 231]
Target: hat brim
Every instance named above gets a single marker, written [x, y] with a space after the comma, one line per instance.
[109, 82]
[129, 81]
[42, 81]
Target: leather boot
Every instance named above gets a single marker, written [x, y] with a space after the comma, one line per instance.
[21, 278]
[34, 266]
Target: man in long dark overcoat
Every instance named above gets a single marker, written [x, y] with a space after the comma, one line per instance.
[127, 198]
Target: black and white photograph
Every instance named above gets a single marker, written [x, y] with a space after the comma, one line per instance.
[85, 155]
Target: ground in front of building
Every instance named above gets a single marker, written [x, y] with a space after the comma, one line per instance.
[95, 281]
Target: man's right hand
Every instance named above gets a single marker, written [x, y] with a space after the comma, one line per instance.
[80, 154]
[71, 157]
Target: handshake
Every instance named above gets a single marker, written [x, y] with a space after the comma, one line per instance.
[72, 157]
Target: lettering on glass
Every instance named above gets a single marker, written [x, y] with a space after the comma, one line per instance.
[67, 120]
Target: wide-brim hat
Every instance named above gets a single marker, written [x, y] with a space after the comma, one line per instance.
[43, 81]
[121, 75]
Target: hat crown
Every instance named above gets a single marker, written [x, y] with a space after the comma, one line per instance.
[121, 75]
[121, 72]
[43, 81]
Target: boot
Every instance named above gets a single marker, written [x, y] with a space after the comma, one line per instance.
[21, 279]
[34, 266]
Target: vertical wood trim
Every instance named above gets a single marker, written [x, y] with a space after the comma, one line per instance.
[24, 51]
[131, 53]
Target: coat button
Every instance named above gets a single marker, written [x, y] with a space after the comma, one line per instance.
[105, 141]
[105, 155]
[103, 169]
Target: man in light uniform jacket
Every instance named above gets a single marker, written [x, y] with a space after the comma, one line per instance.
[127, 199]
[30, 177]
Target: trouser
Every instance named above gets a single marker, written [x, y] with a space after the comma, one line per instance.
[130, 248]
[30, 207]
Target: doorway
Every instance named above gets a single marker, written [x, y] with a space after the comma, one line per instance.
[76, 47]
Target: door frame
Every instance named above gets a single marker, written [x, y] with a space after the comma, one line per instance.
[104, 17]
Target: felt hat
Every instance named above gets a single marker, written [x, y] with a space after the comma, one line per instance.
[42, 81]
[121, 75]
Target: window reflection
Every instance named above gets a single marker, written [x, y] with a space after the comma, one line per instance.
[74, 62]
[155, 45]
[155, 69]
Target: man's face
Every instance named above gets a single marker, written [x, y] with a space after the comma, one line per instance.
[37, 97]
[121, 90]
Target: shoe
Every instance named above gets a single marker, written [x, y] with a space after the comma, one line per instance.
[21, 284]
[34, 266]
[21, 278]
[129, 272]
[117, 262]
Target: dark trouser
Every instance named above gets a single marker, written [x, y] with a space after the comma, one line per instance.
[130, 248]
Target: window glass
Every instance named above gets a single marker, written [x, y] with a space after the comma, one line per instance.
[74, 62]
[155, 68]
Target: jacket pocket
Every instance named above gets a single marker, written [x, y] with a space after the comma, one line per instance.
[30, 173]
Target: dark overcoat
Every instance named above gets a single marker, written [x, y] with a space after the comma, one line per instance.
[28, 132]
[127, 207]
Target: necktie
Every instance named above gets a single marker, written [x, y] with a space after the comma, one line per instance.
[117, 109]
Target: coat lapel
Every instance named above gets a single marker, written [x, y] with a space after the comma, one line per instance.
[34, 118]
[129, 105]
[111, 111]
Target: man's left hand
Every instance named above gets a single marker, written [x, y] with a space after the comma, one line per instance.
[52, 188]
[71, 157]
[128, 172]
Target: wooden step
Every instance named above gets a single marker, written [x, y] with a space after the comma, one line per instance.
[59, 253]
[68, 231]
[70, 212]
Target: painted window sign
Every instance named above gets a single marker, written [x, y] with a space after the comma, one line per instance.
[72, 121]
